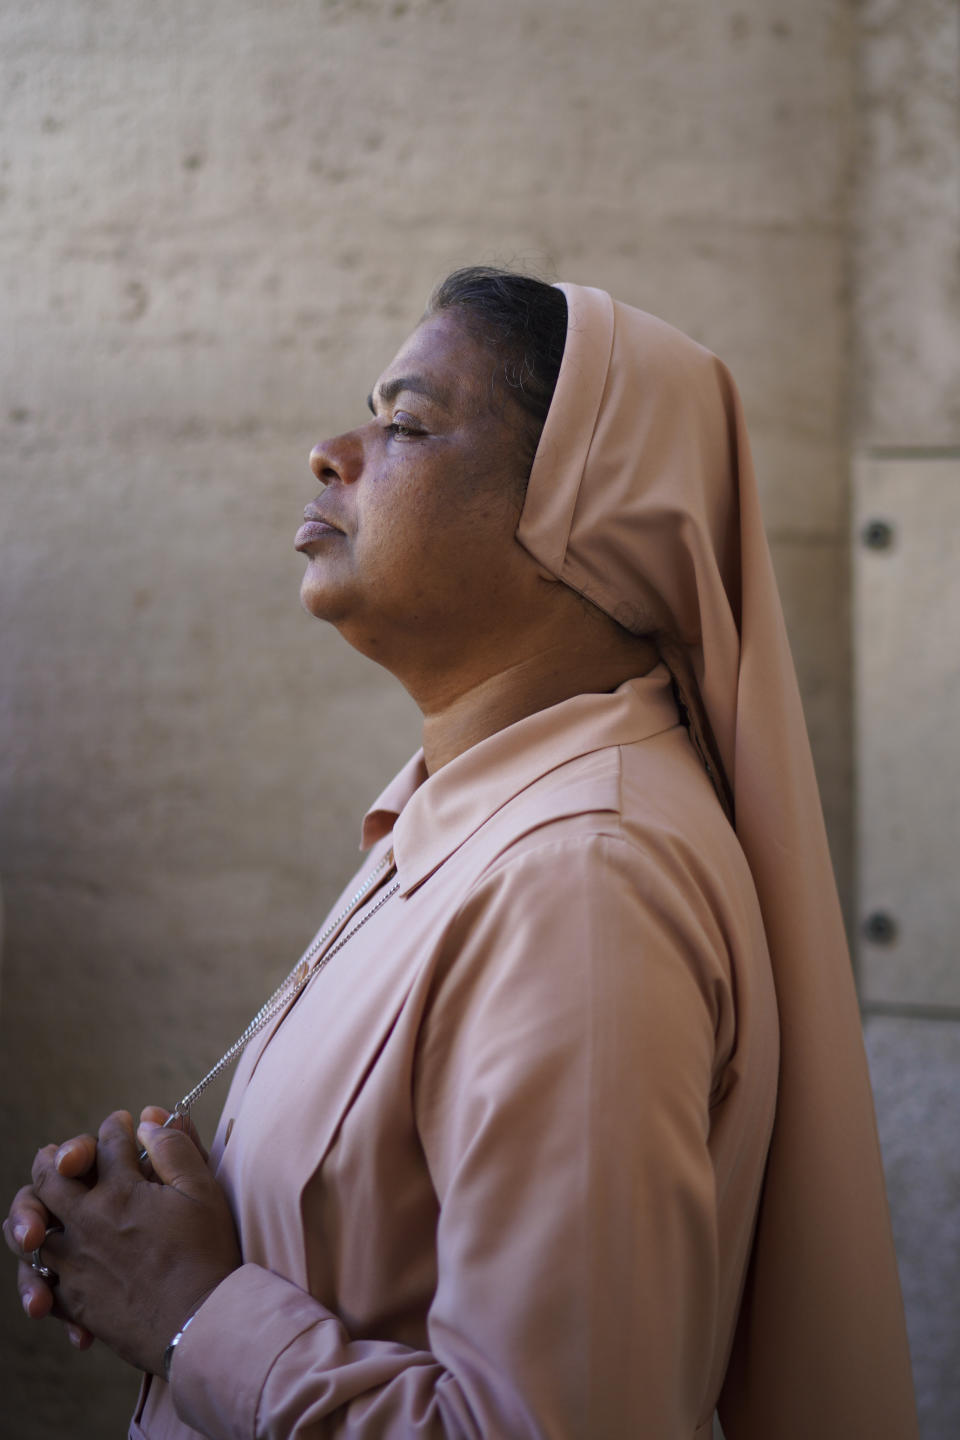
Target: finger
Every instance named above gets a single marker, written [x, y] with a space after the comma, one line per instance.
[25, 1226]
[58, 1193]
[36, 1296]
[117, 1148]
[158, 1116]
[77, 1156]
[175, 1159]
[155, 1114]
[39, 1300]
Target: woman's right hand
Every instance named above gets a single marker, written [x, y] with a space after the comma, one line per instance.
[29, 1220]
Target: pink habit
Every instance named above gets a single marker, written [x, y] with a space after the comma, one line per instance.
[574, 1137]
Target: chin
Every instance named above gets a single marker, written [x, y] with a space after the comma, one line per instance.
[324, 599]
[315, 598]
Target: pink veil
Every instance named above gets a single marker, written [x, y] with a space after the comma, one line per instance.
[643, 498]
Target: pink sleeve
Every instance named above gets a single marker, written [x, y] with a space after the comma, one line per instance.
[562, 1093]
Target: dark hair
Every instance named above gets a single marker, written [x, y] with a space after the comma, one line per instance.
[523, 321]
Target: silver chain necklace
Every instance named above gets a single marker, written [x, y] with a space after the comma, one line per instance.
[311, 962]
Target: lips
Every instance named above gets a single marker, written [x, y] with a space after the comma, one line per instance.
[315, 528]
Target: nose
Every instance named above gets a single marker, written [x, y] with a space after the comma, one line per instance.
[338, 459]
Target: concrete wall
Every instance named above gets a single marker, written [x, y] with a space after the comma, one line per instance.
[217, 221]
[906, 426]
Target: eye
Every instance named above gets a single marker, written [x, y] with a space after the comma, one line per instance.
[403, 428]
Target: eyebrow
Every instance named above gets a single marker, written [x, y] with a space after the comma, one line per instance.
[390, 389]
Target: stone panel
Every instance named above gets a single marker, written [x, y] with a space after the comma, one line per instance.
[907, 261]
[915, 1066]
[907, 595]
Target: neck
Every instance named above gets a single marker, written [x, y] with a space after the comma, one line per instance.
[462, 714]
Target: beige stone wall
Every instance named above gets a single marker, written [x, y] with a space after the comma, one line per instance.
[906, 425]
[217, 221]
[907, 226]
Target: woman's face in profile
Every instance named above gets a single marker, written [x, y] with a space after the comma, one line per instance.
[410, 545]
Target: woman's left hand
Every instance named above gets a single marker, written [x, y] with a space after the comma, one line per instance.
[136, 1258]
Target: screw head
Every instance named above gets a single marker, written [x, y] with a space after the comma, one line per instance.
[880, 928]
[877, 535]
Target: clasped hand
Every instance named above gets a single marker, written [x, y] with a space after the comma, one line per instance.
[136, 1256]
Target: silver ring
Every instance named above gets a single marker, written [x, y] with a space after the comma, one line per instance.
[37, 1265]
